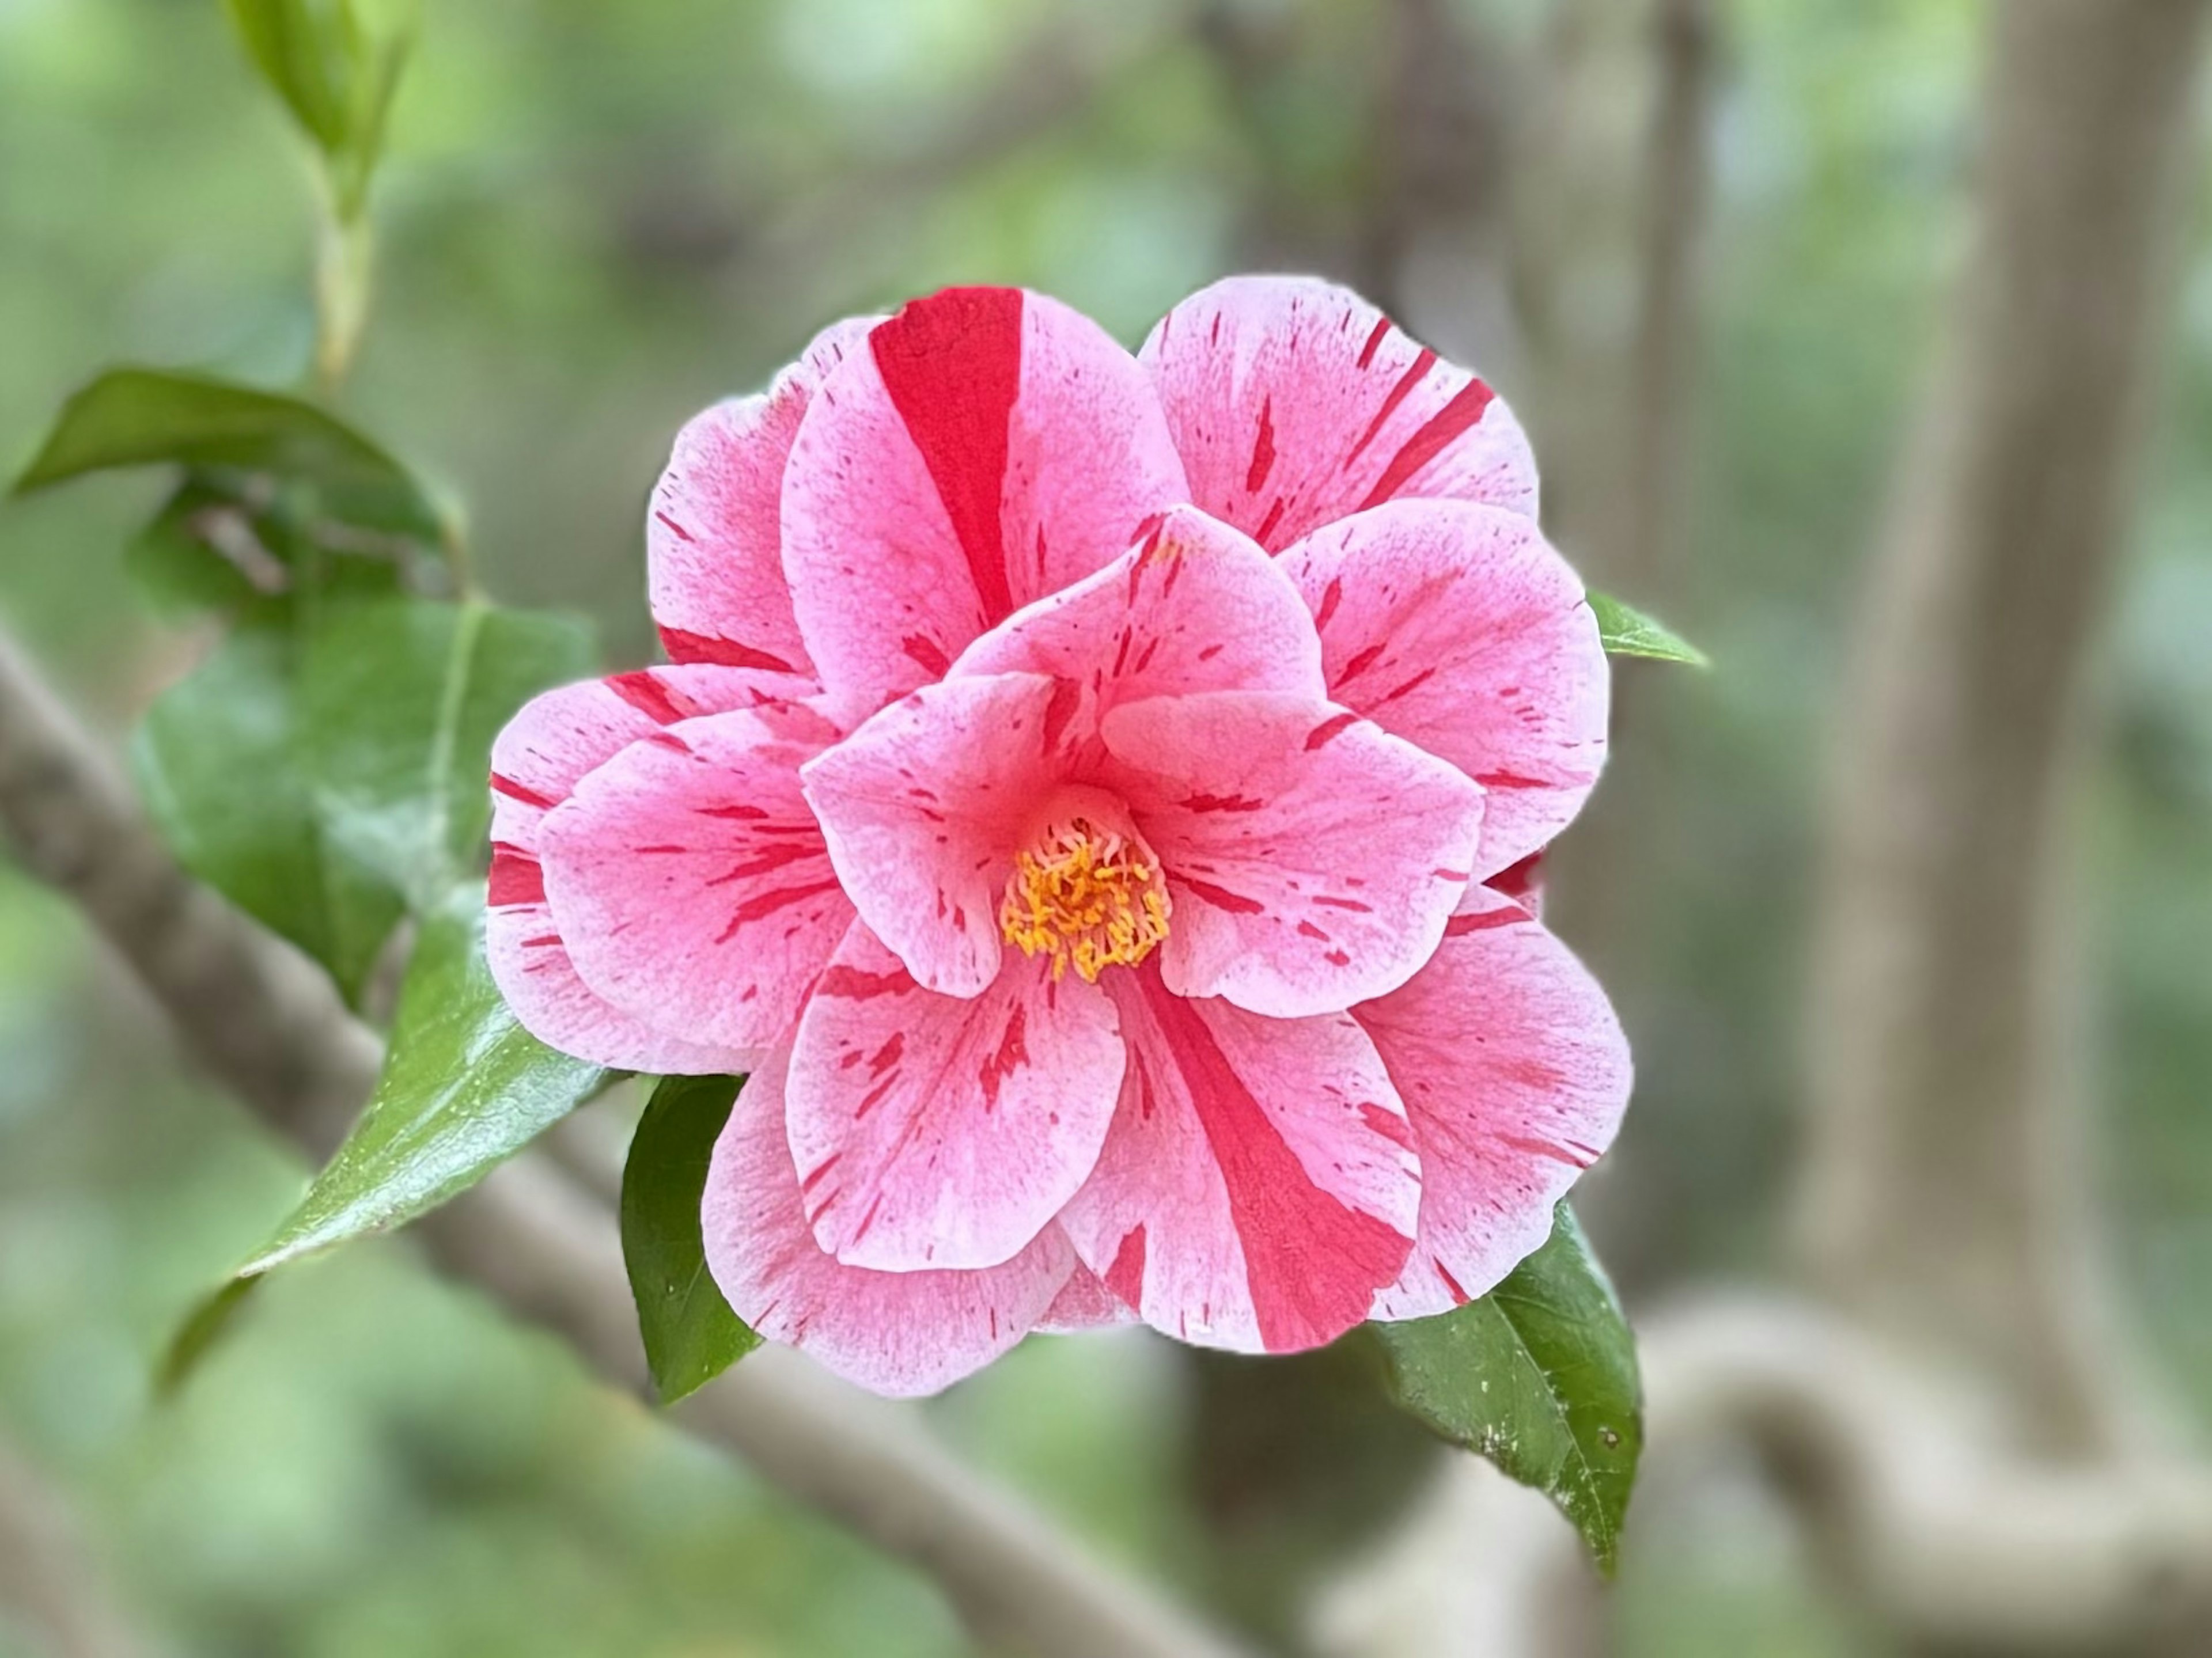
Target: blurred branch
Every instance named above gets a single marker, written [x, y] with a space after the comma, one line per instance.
[785, 243]
[47, 1578]
[264, 1024]
[1958, 1435]
[1948, 1186]
[1915, 1509]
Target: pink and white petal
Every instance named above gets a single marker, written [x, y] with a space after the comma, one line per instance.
[1311, 858]
[551, 745]
[924, 808]
[530, 964]
[1458, 628]
[1294, 403]
[1260, 1182]
[1085, 1303]
[941, 1131]
[713, 533]
[690, 879]
[1523, 882]
[1514, 1074]
[559, 737]
[898, 1333]
[989, 448]
[1195, 606]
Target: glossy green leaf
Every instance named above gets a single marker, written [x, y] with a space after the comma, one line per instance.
[1628, 632]
[216, 767]
[691, 1334]
[464, 1088]
[399, 700]
[1538, 1376]
[258, 441]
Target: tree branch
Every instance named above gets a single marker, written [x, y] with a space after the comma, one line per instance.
[265, 1024]
[46, 1575]
[1945, 1198]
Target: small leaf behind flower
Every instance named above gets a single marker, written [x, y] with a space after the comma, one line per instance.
[464, 1087]
[1539, 1377]
[150, 417]
[691, 1334]
[1628, 632]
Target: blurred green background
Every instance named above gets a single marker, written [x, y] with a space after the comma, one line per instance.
[599, 215]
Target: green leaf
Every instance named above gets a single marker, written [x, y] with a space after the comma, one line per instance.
[206, 550]
[147, 418]
[399, 702]
[464, 1088]
[692, 1336]
[1538, 1376]
[334, 74]
[215, 766]
[208, 1320]
[1628, 632]
[307, 51]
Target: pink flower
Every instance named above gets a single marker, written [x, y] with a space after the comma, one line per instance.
[1073, 800]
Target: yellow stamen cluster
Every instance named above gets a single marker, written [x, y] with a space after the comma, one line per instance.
[1088, 898]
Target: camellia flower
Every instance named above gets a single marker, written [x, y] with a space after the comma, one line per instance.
[1075, 800]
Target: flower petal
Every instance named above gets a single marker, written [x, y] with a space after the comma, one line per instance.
[941, 1131]
[689, 878]
[1259, 1184]
[714, 532]
[1196, 606]
[1515, 1075]
[989, 447]
[1084, 1304]
[1458, 628]
[546, 749]
[1294, 401]
[1312, 858]
[924, 807]
[901, 1333]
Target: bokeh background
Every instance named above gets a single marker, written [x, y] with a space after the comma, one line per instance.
[600, 215]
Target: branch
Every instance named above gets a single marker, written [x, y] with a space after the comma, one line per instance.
[45, 1575]
[1915, 1508]
[262, 1021]
[1946, 1195]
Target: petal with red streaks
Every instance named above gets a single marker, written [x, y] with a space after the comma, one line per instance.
[1294, 403]
[1311, 858]
[940, 1131]
[898, 1333]
[550, 745]
[989, 446]
[690, 879]
[1515, 1075]
[1259, 1184]
[1458, 628]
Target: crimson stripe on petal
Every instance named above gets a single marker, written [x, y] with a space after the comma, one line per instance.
[1438, 433]
[953, 366]
[1310, 1262]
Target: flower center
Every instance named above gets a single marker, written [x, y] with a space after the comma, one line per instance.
[1087, 896]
